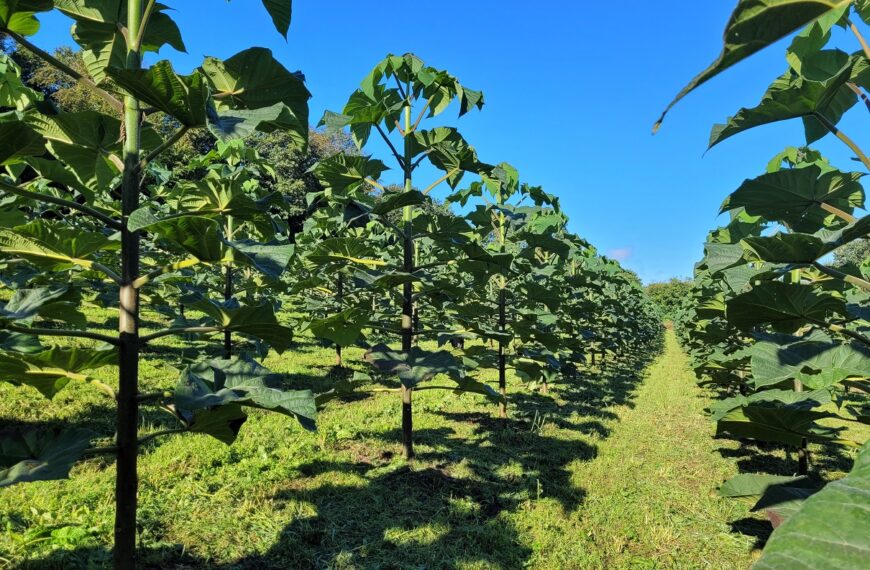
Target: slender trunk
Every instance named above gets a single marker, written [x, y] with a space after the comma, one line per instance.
[126, 483]
[340, 298]
[228, 294]
[502, 380]
[407, 293]
[803, 452]
[229, 230]
[416, 327]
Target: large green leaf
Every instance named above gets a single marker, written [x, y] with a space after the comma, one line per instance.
[17, 141]
[343, 174]
[818, 364]
[797, 248]
[254, 79]
[52, 247]
[448, 151]
[788, 398]
[794, 96]
[786, 307]
[344, 250]
[255, 320]
[198, 236]
[797, 196]
[752, 484]
[271, 259]
[87, 142]
[831, 529]
[754, 25]
[25, 304]
[208, 410]
[779, 424]
[51, 370]
[182, 97]
[413, 368]
[235, 124]
[100, 28]
[721, 256]
[39, 454]
[18, 15]
[342, 328]
[247, 383]
[280, 11]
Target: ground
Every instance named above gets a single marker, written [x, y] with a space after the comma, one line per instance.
[615, 469]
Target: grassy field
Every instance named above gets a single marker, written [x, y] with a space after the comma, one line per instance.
[616, 470]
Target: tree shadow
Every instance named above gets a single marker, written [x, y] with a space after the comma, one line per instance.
[458, 504]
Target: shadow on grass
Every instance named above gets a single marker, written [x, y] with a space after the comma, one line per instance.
[455, 505]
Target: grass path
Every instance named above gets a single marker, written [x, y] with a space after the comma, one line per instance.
[651, 499]
[613, 470]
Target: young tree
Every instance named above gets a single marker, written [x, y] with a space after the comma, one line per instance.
[79, 174]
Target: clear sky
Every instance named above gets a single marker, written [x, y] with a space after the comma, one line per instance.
[572, 89]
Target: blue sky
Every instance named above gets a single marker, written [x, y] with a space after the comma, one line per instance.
[572, 90]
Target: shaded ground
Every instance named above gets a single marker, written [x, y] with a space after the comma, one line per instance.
[615, 470]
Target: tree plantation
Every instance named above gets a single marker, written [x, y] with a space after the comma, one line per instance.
[242, 330]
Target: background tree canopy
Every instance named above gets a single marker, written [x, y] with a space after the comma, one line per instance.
[668, 295]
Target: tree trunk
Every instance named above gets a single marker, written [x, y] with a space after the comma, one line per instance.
[340, 298]
[228, 294]
[407, 294]
[126, 483]
[803, 452]
[502, 368]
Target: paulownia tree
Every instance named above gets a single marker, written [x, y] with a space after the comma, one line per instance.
[84, 182]
[397, 97]
[509, 301]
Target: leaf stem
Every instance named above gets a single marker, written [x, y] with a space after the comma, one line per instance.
[108, 272]
[18, 191]
[377, 185]
[149, 8]
[847, 217]
[849, 333]
[61, 332]
[105, 95]
[390, 144]
[842, 136]
[422, 112]
[837, 274]
[156, 434]
[171, 268]
[179, 331]
[440, 180]
[860, 37]
[165, 145]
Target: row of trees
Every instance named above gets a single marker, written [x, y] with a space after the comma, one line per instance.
[773, 323]
[98, 210]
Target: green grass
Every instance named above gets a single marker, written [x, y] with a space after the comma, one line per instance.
[613, 470]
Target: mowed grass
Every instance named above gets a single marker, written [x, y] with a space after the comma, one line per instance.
[614, 469]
